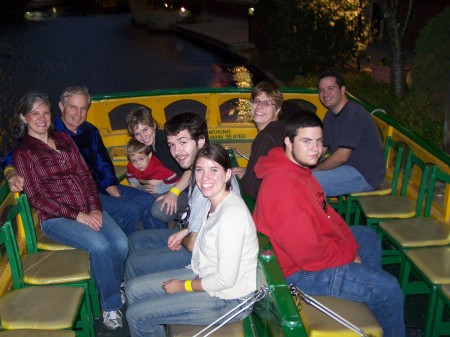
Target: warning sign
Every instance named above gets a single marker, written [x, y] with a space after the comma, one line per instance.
[225, 134]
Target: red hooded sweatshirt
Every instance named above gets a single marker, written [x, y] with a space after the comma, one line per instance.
[291, 209]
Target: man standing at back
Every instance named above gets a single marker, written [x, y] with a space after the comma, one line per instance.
[127, 206]
[316, 249]
[267, 100]
[356, 163]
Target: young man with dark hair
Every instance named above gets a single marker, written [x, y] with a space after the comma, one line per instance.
[356, 162]
[316, 249]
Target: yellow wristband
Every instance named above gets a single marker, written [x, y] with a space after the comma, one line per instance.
[175, 191]
[8, 169]
[188, 286]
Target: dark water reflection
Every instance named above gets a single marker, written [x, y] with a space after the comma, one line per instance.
[107, 53]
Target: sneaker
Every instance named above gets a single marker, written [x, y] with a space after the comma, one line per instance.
[112, 319]
[122, 297]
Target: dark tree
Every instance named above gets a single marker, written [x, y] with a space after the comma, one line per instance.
[396, 24]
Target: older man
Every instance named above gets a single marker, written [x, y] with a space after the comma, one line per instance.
[127, 206]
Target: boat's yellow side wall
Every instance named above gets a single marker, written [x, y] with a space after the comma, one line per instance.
[238, 135]
[234, 132]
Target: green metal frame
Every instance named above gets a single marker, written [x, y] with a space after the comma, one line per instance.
[31, 243]
[427, 146]
[22, 209]
[439, 327]
[415, 282]
[411, 162]
[4, 191]
[392, 148]
[165, 92]
[394, 253]
[277, 314]
[436, 175]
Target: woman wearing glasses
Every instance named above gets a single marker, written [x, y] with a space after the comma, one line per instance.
[267, 100]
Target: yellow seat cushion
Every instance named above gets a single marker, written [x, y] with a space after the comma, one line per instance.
[37, 333]
[54, 267]
[434, 262]
[384, 189]
[388, 206]
[318, 324]
[418, 232]
[228, 330]
[45, 243]
[45, 308]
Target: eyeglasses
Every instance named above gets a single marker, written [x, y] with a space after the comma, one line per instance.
[265, 104]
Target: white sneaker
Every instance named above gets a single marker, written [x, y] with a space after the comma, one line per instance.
[112, 319]
[122, 297]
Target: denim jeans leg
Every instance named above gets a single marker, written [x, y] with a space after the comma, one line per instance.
[150, 307]
[149, 253]
[149, 239]
[369, 245]
[358, 282]
[118, 246]
[157, 213]
[155, 260]
[124, 214]
[107, 250]
[144, 201]
[341, 180]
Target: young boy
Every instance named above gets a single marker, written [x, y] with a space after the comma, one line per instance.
[145, 171]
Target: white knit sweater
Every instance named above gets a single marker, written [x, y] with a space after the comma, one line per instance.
[226, 249]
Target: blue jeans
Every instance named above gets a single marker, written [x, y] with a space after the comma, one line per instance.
[107, 248]
[364, 282]
[341, 180]
[131, 207]
[161, 215]
[149, 253]
[149, 306]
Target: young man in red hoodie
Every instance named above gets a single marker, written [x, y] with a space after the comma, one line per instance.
[316, 249]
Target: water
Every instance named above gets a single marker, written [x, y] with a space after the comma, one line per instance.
[106, 53]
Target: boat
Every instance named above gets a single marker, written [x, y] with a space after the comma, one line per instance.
[228, 115]
[227, 111]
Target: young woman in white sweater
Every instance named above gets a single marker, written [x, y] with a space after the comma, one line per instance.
[223, 266]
